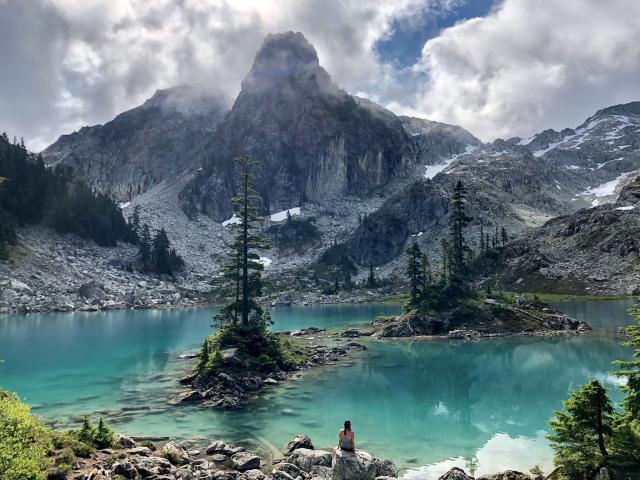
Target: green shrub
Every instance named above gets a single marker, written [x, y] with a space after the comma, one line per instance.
[62, 465]
[24, 441]
[69, 439]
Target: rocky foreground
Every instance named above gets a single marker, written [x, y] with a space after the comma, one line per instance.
[223, 461]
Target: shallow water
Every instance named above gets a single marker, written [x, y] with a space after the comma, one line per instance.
[428, 405]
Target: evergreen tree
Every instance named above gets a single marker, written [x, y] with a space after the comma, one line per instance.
[630, 370]
[243, 269]
[580, 434]
[160, 259]
[427, 276]
[88, 432]
[483, 245]
[459, 219]
[372, 281]
[103, 436]
[144, 248]
[504, 236]
[414, 272]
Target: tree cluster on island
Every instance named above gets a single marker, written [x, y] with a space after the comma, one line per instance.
[31, 194]
[243, 322]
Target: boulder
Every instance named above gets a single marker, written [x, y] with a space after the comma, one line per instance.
[252, 475]
[243, 461]
[305, 458]
[19, 286]
[360, 465]
[92, 291]
[124, 441]
[354, 333]
[456, 474]
[126, 469]
[603, 474]
[508, 475]
[217, 447]
[173, 452]
[299, 441]
[288, 468]
[191, 396]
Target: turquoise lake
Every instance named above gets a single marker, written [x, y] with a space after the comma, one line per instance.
[428, 405]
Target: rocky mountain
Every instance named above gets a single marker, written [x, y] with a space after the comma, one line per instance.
[314, 142]
[519, 184]
[594, 250]
[371, 181]
[143, 146]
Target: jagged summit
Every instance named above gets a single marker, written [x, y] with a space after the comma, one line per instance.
[283, 59]
[631, 108]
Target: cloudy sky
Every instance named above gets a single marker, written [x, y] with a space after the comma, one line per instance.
[497, 67]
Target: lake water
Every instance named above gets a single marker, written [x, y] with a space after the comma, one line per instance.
[428, 405]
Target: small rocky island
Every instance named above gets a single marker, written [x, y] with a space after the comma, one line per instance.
[491, 317]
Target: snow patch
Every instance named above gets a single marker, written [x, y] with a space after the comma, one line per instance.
[265, 261]
[573, 167]
[280, 216]
[629, 207]
[124, 205]
[232, 221]
[432, 170]
[604, 189]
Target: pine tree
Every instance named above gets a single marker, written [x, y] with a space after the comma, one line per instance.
[372, 281]
[483, 245]
[504, 236]
[459, 219]
[144, 248]
[103, 436]
[87, 433]
[580, 434]
[414, 273]
[427, 276]
[160, 259]
[243, 269]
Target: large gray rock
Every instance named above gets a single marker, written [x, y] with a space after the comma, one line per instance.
[92, 291]
[305, 458]
[360, 465]
[243, 461]
[456, 474]
[510, 475]
[175, 453]
[299, 441]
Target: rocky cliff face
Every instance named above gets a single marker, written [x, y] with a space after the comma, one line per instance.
[594, 250]
[143, 146]
[519, 184]
[314, 142]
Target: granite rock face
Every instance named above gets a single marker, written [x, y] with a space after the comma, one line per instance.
[141, 147]
[313, 140]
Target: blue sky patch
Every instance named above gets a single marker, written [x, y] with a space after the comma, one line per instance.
[404, 46]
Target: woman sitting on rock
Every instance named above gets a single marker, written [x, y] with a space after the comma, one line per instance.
[346, 438]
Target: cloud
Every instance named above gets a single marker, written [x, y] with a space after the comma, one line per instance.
[526, 66]
[532, 64]
[68, 63]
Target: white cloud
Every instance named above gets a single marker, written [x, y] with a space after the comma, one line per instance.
[532, 64]
[528, 65]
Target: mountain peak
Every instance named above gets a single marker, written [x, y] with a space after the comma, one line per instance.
[282, 56]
